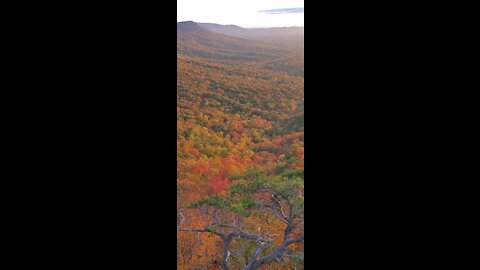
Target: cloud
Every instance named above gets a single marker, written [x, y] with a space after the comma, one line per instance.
[283, 10]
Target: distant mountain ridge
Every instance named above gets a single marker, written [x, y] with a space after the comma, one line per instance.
[188, 26]
[192, 39]
[290, 36]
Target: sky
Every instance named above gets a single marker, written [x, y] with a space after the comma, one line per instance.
[244, 13]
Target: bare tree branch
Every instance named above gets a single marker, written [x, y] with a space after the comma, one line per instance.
[286, 211]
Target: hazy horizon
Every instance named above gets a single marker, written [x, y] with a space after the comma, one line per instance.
[263, 27]
[246, 13]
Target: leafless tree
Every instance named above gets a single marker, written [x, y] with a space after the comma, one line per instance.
[284, 208]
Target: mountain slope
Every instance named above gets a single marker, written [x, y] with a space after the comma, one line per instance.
[285, 36]
[195, 40]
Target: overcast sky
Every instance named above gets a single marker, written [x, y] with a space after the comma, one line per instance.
[244, 13]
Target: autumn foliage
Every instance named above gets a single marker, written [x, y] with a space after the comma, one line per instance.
[233, 117]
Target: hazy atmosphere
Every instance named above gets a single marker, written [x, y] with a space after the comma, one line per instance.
[244, 13]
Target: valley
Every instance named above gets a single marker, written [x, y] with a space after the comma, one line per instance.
[240, 147]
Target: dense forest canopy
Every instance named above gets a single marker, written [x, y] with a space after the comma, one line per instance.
[240, 149]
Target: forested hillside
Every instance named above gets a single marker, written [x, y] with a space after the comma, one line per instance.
[240, 152]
